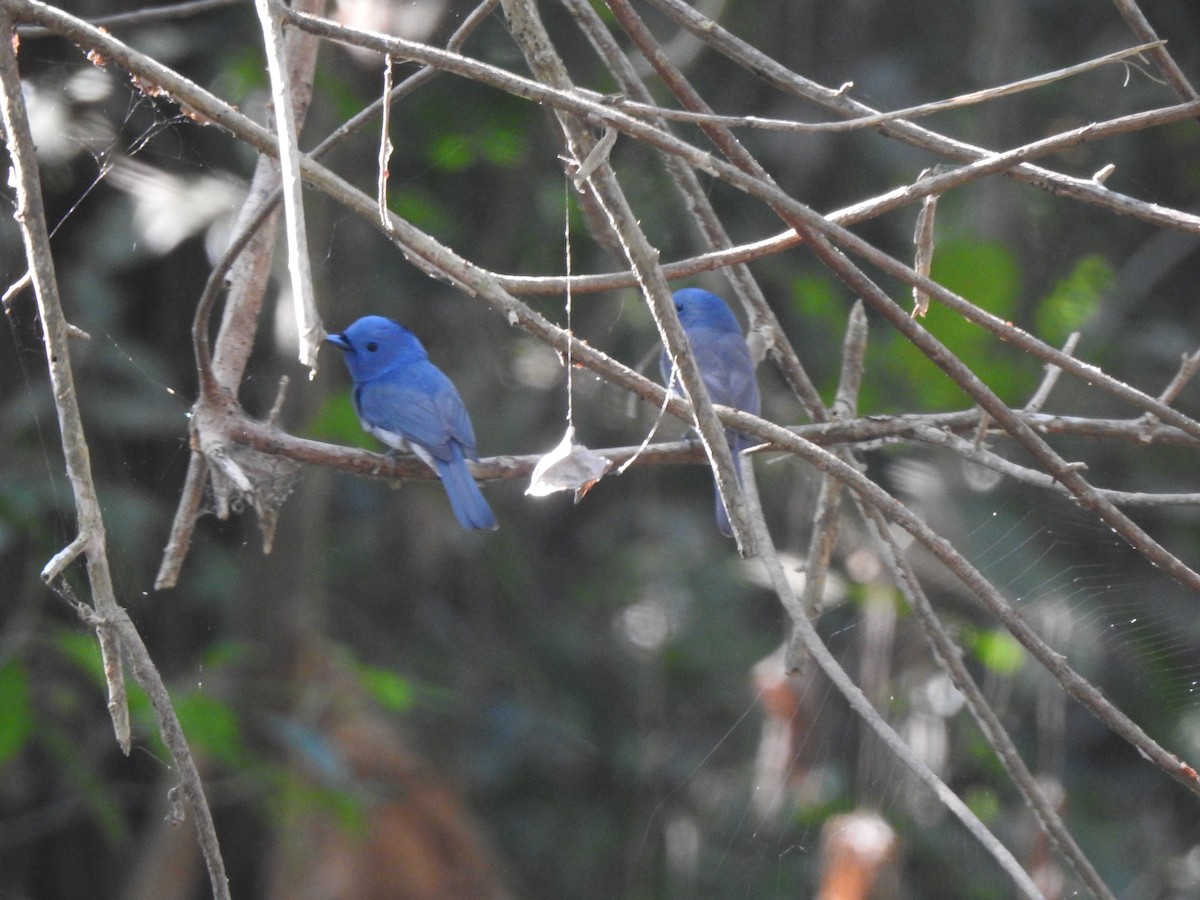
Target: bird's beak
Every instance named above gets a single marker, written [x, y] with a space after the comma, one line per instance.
[338, 340]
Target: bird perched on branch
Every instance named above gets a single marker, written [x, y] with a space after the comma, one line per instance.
[725, 364]
[408, 403]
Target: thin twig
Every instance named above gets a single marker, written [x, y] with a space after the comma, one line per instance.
[1187, 371]
[923, 261]
[817, 233]
[864, 210]
[874, 120]
[859, 434]
[247, 262]
[827, 515]
[762, 190]
[970, 451]
[424, 251]
[140, 17]
[962, 569]
[432, 257]
[807, 219]
[249, 259]
[1042, 394]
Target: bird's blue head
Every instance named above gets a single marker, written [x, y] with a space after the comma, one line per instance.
[701, 310]
[374, 345]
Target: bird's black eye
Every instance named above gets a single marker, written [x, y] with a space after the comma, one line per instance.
[679, 307]
[372, 346]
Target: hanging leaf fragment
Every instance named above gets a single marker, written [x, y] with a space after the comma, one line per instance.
[568, 467]
[923, 238]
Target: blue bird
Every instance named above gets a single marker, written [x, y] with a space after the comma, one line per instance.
[725, 364]
[408, 403]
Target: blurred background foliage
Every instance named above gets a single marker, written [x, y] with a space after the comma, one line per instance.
[572, 703]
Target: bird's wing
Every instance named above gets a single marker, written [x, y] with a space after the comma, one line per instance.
[728, 370]
[420, 404]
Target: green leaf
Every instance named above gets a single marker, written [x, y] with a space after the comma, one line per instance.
[422, 209]
[987, 274]
[100, 799]
[983, 802]
[1074, 299]
[391, 691]
[225, 653]
[82, 650]
[337, 423]
[984, 272]
[211, 727]
[998, 650]
[16, 710]
[243, 73]
[500, 144]
[814, 295]
[503, 147]
[451, 152]
[294, 796]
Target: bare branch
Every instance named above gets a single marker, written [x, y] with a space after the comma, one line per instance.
[248, 263]
[864, 210]
[224, 437]
[764, 323]
[336, 187]
[308, 320]
[1187, 371]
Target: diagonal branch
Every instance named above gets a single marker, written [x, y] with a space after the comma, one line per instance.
[1140, 26]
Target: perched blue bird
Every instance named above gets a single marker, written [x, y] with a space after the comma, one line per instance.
[725, 364]
[409, 404]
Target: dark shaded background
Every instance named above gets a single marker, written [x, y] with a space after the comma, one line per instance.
[578, 686]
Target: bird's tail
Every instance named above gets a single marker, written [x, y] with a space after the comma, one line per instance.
[737, 443]
[722, 516]
[471, 510]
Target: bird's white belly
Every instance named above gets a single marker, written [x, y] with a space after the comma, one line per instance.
[398, 442]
